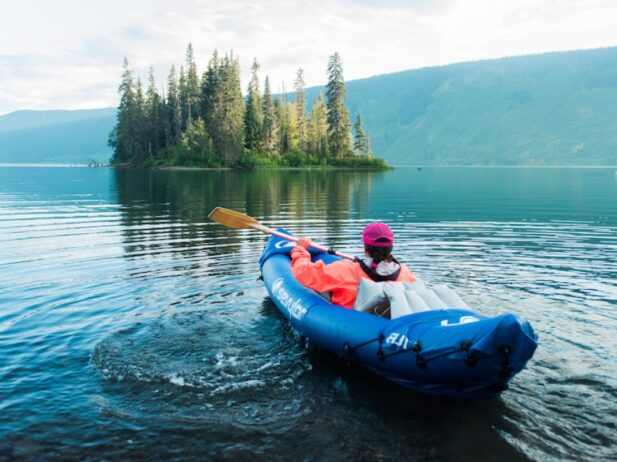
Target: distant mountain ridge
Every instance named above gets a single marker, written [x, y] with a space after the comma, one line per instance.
[549, 109]
[56, 136]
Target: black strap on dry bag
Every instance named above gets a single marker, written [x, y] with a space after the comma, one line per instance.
[371, 273]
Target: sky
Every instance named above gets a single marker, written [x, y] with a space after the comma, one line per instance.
[67, 54]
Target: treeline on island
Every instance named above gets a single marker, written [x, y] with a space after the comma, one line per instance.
[207, 122]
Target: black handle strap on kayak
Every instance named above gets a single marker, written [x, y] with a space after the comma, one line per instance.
[506, 371]
[348, 349]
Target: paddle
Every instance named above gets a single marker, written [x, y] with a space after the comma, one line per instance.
[237, 220]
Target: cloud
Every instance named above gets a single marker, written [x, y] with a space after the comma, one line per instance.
[69, 54]
[418, 6]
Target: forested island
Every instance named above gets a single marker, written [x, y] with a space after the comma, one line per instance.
[207, 122]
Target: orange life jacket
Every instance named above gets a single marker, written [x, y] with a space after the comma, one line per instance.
[340, 278]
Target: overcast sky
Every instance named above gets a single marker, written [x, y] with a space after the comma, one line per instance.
[68, 54]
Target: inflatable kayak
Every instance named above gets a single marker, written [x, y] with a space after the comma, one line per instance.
[450, 351]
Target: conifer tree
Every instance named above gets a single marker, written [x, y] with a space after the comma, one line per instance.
[287, 126]
[253, 120]
[140, 129]
[269, 134]
[173, 111]
[318, 130]
[339, 126]
[360, 146]
[153, 114]
[183, 96]
[227, 119]
[300, 108]
[192, 86]
[121, 137]
[281, 124]
[195, 146]
[292, 141]
[209, 87]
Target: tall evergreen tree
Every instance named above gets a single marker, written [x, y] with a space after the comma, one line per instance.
[140, 130]
[280, 123]
[360, 145]
[300, 108]
[209, 87]
[339, 126]
[269, 133]
[195, 146]
[253, 116]
[318, 130]
[227, 120]
[174, 116]
[121, 137]
[183, 96]
[154, 123]
[193, 92]
[287, 126]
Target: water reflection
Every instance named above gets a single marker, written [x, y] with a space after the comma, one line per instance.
[169, 209]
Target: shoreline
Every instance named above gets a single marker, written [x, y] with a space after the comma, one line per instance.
[308, 167]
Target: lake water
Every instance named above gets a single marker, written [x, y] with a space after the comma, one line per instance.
[131, 327]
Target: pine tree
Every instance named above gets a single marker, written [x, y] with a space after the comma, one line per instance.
[183, 96]
[193, 92]
[227, 113]
[140, 127]
[280, 124]
[195, 146]
[269, 133]
[318, 130]
[339, 126]
[360, 145]
[174, 117]
[121, 137]
[155, 136]
[209, 87]
[300, 109]
[253, 120]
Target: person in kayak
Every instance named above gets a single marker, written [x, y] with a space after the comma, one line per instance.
[342, 278]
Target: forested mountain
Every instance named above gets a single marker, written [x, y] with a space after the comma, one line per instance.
[56, 136]
[550, 109]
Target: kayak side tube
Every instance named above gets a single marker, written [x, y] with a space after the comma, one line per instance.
[451, 352]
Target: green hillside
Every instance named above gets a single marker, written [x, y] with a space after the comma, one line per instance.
[550, 109]
[56, 136]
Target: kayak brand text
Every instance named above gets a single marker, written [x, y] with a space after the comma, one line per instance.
[398, 340]
[293, 306]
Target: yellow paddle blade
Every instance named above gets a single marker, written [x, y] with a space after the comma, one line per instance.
[232, 219]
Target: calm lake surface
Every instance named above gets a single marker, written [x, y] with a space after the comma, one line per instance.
[131, 327]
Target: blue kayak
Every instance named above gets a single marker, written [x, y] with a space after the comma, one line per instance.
[444, 352]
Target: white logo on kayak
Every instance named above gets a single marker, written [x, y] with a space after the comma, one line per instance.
[293, 306]
[283, 244]
[398, 340]
[462, 320]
